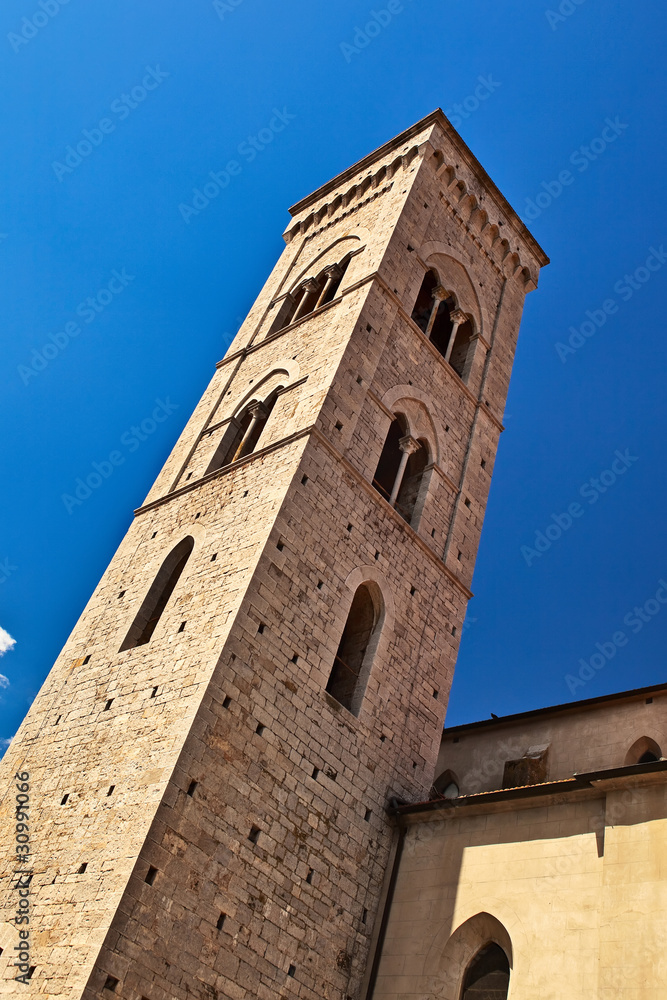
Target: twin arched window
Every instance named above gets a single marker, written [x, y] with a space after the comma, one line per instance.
[352, 665]
[449, 330]
[156, 599]
[400, 470]
[243, 432]
[311, 294]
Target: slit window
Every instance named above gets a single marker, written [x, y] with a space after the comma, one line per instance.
[156, 599]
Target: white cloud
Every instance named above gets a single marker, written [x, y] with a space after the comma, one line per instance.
[4, 681]
[4, 743]
[6, 643]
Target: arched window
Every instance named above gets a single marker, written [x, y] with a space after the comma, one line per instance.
[349, 674]
[243, 432]
[643, 751]
[400, 470]
[447, 785]
[488, 975]
[449, 330]
[155, 602]
[311, 294]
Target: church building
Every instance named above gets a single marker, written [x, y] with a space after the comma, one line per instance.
[238, 780]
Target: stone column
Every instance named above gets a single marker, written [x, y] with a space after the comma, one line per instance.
[308, 286]
[332, 274]
[439, 295]
[458, 318]
[408, 446]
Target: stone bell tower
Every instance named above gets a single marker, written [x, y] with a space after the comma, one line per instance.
[266, 661]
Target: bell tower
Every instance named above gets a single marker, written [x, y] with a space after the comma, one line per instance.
[266, 661]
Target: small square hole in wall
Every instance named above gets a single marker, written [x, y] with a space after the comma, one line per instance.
[181, 627]
[58, 719]
[367, 815]
[304, 480]
[122, 594]
[446, 428]
[63, 801]
[111, 790]
[31, 971]
[259, 729]
[245, 493]
[227, 702]
[292, 970]
[261, 627]
[368, 328]
[453, 629]
[349, 527]
[280, 546]
[414, 765]
[83, 867]
[220, 923]
[413, 591]
[364, 915]
[316, 773]
[111, 984]
[467, 501]
[189, 475]
[459, 555]
[359, 380]
[150, 875]
[154, 692]
[253, 836]
[383, 738]
[432, 532]
[214, 557]
[86, 659]
[108, 705]
[483, 463]
[377, 555]
[295, 658]
[191, 788]
[456, 739]
[154, 534]
[339, 426]
[197, 515]
[309, 876]
[649, 701]
[320, 584]
[435, 692]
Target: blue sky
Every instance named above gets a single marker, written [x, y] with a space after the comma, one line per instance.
[168, 93]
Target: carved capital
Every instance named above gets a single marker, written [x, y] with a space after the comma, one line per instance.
[458, 317]
[409, 445]
[440, 293]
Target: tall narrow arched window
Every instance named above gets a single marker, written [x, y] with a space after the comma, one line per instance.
[488, 975]
[243, 432]
[349, 674]
[156, 599]
[400, 470]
